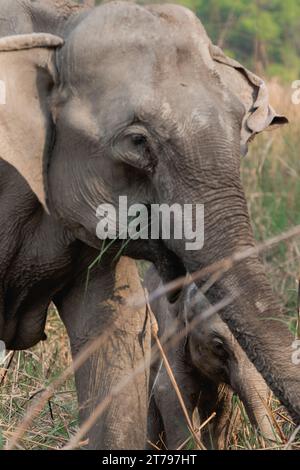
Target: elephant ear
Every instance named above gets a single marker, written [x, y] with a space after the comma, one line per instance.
[27, 73]
[251, 91]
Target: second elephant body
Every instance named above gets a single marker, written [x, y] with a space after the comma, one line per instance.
[209, 366]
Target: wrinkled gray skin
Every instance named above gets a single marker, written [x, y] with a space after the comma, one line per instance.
[209, 366]
[136, 102]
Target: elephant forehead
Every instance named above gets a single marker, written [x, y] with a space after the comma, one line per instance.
[213, 326]
[141, 42]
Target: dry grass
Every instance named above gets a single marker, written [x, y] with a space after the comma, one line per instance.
[271, 177]
[30, 372]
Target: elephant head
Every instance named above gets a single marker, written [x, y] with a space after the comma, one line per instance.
[209, 366]
[138, 102]
[217, 356]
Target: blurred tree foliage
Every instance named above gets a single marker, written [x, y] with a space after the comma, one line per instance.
[262, 34]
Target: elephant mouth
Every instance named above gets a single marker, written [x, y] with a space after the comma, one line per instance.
[171, 268]
[166, 261]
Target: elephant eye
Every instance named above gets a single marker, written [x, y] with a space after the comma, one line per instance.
[139, 140]
[133, 147]
[136, 144]
[219, 348]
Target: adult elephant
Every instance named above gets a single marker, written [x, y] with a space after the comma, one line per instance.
[134, 101]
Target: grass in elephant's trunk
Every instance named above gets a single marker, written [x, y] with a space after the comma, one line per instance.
[271, 177]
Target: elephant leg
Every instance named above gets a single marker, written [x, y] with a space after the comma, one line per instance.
[98, 310]
[155, 425]
[174, 423]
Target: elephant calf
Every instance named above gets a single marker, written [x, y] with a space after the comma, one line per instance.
[209, 366]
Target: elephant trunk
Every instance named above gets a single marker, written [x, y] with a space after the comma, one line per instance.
[254, 393]
[253, 316]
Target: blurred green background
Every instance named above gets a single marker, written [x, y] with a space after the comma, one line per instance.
[263, 34]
